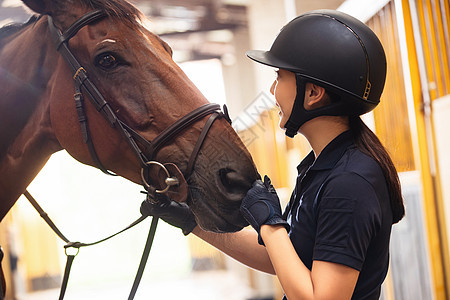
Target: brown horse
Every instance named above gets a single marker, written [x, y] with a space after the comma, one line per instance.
[133, 70]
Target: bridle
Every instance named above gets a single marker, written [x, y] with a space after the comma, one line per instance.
[145, 155]
[149, 150]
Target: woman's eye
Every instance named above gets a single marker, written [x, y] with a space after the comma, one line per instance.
[106, 61]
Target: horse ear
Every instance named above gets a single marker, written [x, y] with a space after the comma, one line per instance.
[43, 7]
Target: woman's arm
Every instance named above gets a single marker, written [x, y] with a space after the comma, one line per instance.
[242, 246]
[326, 280]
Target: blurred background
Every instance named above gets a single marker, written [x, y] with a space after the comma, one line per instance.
[209, 39]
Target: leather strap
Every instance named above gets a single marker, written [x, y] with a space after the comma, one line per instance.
[90, 17]
[69, 262]
[85, 133]
[45, 216]
[144, 258]
[203, 135]
[56, 230]
[199, 143]
[181, 124]
[77, 245]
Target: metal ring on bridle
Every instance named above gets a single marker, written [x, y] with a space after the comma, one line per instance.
[73, 253]
[170, 181]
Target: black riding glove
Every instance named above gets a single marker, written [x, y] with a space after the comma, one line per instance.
[261, 206]
[174, 213]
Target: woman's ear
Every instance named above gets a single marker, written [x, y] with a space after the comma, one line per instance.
[315, 96]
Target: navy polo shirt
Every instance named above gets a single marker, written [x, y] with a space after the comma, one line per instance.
[340, 212]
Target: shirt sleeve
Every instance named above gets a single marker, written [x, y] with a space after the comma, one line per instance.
[348, 217]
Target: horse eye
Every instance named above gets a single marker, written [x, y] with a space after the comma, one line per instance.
[106, 61]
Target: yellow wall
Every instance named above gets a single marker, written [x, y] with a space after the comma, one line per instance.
[35, 244]
[436, 79]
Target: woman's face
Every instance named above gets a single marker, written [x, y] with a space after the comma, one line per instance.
[284, 88]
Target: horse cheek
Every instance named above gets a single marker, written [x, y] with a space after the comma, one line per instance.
[108, 143]
[64, 119]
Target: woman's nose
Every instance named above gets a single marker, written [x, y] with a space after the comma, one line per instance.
[272, 88]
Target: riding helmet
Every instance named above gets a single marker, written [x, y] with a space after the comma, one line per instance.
[335, 51]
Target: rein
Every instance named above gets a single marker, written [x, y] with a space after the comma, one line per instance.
[145, 155]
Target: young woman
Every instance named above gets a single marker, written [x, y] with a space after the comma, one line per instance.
[332, 242]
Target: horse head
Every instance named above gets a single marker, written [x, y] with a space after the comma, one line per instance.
[133, 70]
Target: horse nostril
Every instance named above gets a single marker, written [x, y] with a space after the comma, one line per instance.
[234, 182]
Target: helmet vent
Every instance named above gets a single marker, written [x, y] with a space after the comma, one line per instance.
[368, 84]
[367, 90]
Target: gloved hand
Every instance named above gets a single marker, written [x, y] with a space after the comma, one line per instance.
[173, 213]
[262, 206]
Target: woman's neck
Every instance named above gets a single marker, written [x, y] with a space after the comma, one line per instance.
[322, 130]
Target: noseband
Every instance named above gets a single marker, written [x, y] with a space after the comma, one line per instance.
[149, 150]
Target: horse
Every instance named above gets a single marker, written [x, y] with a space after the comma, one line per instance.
[138, 95]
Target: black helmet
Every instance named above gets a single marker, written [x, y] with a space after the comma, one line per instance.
[333, 50]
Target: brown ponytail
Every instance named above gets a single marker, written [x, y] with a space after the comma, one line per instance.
[369, 143]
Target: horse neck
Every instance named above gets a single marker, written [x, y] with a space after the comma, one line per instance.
[27, 62]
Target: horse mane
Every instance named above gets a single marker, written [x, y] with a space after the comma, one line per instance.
[121, 9]
[12, 28]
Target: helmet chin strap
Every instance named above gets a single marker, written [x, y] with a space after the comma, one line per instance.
[300, 115]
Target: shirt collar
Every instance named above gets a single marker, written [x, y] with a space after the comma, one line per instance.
[330, 154]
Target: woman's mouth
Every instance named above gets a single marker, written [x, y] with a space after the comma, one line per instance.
[279, 108]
